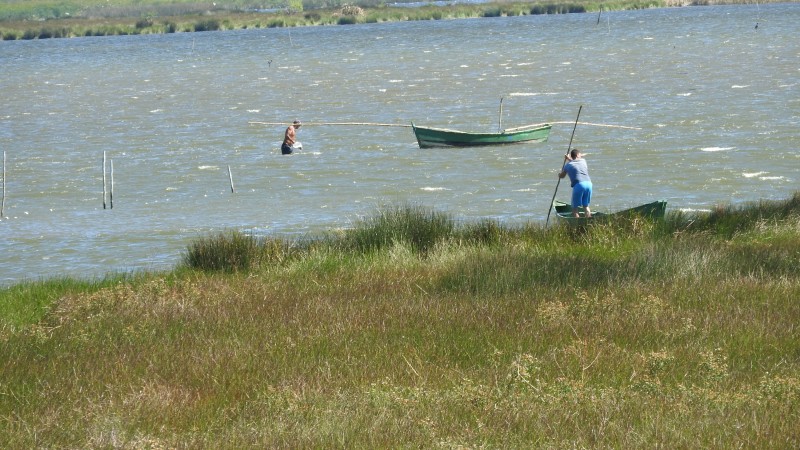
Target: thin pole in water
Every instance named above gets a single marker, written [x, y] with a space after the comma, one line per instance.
[598, 15]
[111, 195]
[3, 205]
[230, 177]
[500, 118]
[562, 165]
[104, 180]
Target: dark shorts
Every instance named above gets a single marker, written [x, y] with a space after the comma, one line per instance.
[286, 150]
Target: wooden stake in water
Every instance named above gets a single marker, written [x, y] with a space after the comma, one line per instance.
[104, 180]
[500, 117]
[230, 177]
[3, 205]
[111, 195]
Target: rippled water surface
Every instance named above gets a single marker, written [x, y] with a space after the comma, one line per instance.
[715, 99]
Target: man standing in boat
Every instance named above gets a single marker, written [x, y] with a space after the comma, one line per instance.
[290, 137]
[579, 179]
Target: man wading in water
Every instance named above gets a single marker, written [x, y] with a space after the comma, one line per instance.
[290, 138]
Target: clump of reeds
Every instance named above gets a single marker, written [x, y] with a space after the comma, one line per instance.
[420, 227]
[235, 251]
[347, 20]
[207, 25]
[557, 8]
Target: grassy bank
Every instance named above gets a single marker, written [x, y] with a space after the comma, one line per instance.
[416, 330]
[43, 19]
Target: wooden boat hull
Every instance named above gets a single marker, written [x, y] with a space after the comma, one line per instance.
[653, 210]
[440, 137]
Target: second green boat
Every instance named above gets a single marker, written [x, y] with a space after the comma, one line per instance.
[652, 210]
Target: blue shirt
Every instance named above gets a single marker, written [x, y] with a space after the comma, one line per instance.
[578, 171]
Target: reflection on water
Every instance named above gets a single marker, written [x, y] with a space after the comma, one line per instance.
[715, 104]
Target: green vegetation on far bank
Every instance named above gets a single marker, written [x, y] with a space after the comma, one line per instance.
[43, 19]
[414, 329]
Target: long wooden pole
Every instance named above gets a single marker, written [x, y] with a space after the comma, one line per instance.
[562, 166]
[230, 177]
[525, 127]
[599, 125]
[409, 126]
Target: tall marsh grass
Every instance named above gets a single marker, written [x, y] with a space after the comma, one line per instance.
[415, 329]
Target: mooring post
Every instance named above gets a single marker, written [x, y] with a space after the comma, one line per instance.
[111, 195]
[3, 205]
[230, 176]
[104, 180]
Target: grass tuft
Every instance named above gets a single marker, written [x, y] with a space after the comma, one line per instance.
[229, 252]
[421, 228]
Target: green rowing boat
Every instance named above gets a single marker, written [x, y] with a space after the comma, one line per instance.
[653, 210]
[439, 137]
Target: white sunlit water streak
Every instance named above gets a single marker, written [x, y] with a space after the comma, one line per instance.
[715, 100]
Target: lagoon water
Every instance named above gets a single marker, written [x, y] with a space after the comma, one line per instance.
[715, 100]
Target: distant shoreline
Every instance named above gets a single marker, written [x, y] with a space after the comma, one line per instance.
[142, 21]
